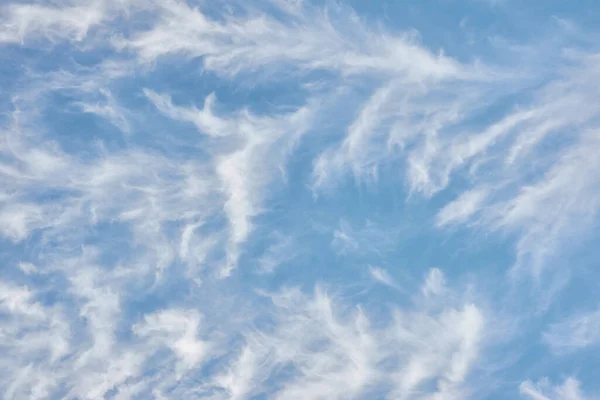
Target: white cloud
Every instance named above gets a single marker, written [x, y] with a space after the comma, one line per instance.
[18, 300]
[563, 203]
[382, 276]
[17, 222]
[23, 20]
[27, 268]
[357, 150]
[283, 249]
[576, 332]
[110, 110]
[544, 188]
[329, 350]
[543, 390]
[371, 238]
[262, 146]
[343, 240]
[141, 190]
[435, 283]
[461, 209]
[205, 119]
[333, 354]
[115, 244]
[29, 331]
[176, 329]
[311, 39]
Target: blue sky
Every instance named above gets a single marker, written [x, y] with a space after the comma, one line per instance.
[294, 199]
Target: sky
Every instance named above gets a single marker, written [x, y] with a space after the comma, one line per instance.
[300, 200]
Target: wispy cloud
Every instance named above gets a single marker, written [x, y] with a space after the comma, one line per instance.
[543, 390]
[283, 249]
[370, 238]
[576, 332]
[382, 276]
[337, 355]
[463, 208]
[38, 21]
[248, 164]
[308, 38]
[164, 166]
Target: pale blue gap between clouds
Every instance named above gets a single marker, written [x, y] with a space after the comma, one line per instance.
[294, 200]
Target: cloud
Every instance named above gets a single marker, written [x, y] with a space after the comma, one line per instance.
[205, 120]
[112, 111]
[435, 283]
[171, 251]
[32, 20]
[431, 131]
[177, 330]
[282, 250]
[408, 114]
[355, 147]
[556, 206]
[371, 238]
[545, 203]
[305, 39]
[382, 276]
[576, 332]
[462, 208]
[16, 223]
[330, 354]
[543, 390]
[309, 334]
[262, 145]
